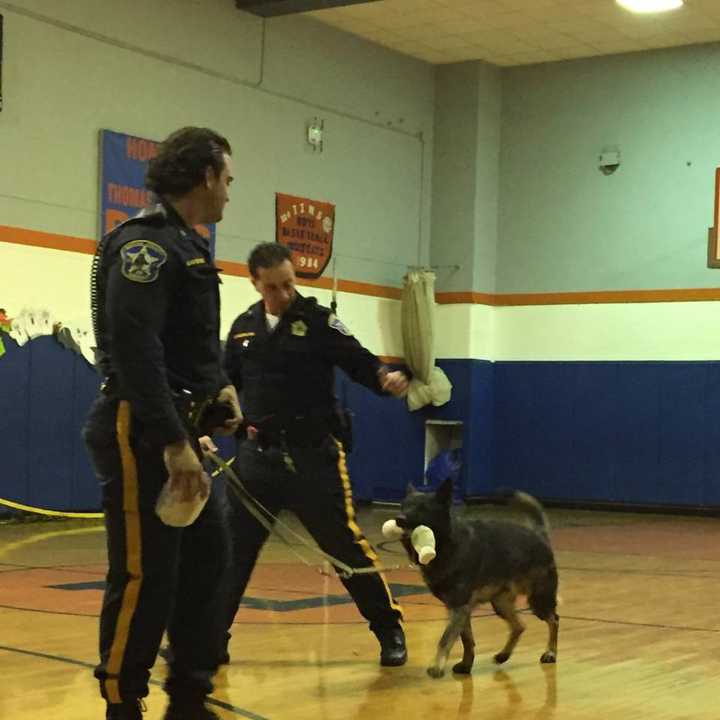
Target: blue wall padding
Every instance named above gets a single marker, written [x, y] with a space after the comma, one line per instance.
[14, 436]
[390, 441]
[625, 432]
[46, 392]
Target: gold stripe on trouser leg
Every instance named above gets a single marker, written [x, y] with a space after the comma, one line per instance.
[133, 555]
[352, 524]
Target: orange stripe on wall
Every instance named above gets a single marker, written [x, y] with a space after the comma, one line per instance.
[608, 297]
[237, 269]
[36, 238]
[20, 236]
[53, 241]
[579, 298]
[465, 298]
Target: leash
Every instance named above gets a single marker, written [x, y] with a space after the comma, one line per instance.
[271, 523]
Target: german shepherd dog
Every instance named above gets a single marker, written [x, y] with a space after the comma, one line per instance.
[482, 561]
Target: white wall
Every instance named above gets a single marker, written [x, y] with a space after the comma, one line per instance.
[623, 331]
[74, 67]
[637, 331]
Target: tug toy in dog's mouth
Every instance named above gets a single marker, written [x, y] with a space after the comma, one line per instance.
[421, 538]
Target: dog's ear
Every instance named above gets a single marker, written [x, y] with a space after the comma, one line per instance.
[445, 491]
[410, 490]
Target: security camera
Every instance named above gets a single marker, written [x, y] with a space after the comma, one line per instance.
[609, 162]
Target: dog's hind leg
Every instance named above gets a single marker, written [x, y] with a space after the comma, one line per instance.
[465, 665]
[543, 602]
[553, 621]
[504, 606]
[459, 619]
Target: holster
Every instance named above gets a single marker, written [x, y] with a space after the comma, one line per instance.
[203, 415]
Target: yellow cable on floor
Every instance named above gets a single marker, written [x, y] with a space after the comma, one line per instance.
[59, 513]
[50, 513]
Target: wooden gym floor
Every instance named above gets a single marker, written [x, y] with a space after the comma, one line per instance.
[639, 632]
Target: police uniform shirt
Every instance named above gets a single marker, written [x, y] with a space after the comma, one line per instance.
[288, 372]
[157, 317]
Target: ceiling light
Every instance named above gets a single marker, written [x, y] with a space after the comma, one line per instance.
[650, 6]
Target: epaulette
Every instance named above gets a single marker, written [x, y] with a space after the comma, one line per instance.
[250, 312]
[155, 215]
[312, 305]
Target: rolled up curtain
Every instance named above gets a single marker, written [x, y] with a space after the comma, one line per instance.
[429, 385]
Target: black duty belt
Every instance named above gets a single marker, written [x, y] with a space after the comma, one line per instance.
[201, 412]
[301, 434]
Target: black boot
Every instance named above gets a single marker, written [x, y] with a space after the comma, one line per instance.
[186, 709]
[392, 647]
[126, 710]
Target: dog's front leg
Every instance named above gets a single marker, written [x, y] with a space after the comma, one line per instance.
[458, 620]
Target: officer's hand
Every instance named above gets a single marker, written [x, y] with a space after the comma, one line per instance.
[207, 445]
[185, 471]
[229, 395]
[395, 383]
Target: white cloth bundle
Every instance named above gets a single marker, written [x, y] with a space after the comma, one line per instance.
[174, 511]
[422, 539]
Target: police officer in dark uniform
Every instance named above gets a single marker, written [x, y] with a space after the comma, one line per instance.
[280, 356]
[156, 315]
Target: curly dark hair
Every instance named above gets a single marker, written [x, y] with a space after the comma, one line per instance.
[267, 255]
[183, 158]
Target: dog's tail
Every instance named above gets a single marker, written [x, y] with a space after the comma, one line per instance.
[533, 509]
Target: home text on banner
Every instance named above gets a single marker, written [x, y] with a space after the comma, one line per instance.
[124, 160]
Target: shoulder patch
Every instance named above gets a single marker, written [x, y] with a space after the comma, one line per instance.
[142, 260]
[335, 323]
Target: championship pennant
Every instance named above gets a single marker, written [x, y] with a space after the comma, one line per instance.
[713, 245]
[306, 228]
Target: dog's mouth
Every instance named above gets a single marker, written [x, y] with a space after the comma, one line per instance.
[408, 524]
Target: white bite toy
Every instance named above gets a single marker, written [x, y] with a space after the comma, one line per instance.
[391, 530]
[422, 539]
[172, 508]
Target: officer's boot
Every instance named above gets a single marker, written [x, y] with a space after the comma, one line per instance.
[188, 709]
[126, 710]
[392, 646]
